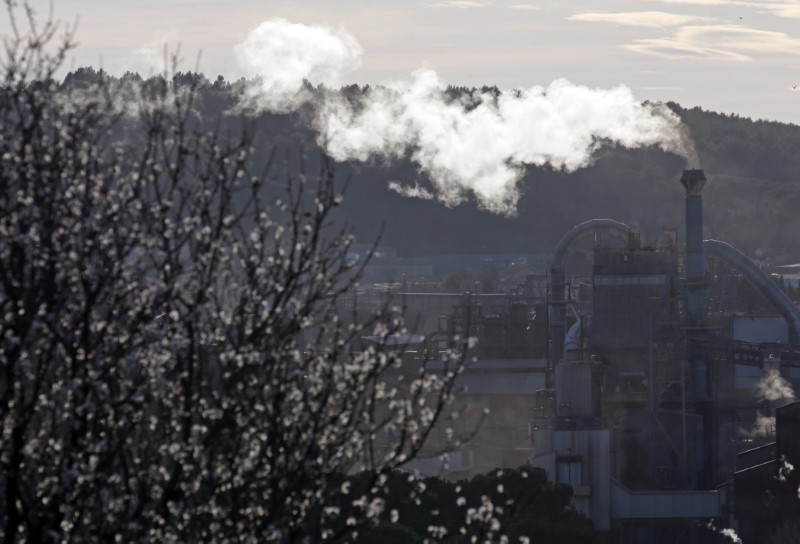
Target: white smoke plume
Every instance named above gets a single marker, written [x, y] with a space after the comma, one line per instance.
[473, 146]
[785, 469]
[763, 426]
[416, 191]
[731, 535]
[282, 56]
[726, 532]
[774, 387]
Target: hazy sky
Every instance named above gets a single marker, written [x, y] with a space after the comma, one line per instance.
[727, 55]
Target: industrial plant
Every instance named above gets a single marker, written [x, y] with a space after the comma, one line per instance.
[650, 385]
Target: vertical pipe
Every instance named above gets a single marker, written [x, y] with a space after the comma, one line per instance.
[685, 460]
[651, 395]
[695, 316]
[558, 314]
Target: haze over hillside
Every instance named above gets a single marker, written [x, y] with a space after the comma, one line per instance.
[751, 197]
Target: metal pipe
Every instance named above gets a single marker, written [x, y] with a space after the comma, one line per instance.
[779, 300]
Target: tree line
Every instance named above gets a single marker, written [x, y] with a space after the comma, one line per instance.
[749, 200]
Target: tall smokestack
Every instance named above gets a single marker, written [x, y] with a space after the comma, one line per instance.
[693, 181]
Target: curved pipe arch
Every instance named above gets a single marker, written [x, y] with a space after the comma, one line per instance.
[582, 230]
[558, 314]
[762, 282]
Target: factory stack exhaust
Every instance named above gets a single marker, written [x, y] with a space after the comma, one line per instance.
[693, 182]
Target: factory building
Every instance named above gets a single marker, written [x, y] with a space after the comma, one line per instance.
[640, 385]
[660, 380]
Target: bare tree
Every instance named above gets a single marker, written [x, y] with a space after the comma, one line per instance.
[174, 365]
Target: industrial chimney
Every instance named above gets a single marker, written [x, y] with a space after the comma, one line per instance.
[693, 181]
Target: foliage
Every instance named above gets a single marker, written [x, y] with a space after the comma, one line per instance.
[389, 533]
[173, 366]
[503, 503]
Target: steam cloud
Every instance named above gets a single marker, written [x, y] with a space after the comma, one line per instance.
[475, 145]
[773, 386]
[283, 55]
[784, 469]
[728, 533]
[763, 426]
[731, 534]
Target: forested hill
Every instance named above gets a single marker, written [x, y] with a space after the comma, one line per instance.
[752, 198]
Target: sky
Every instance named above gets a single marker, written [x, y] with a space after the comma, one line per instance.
[732, 56]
